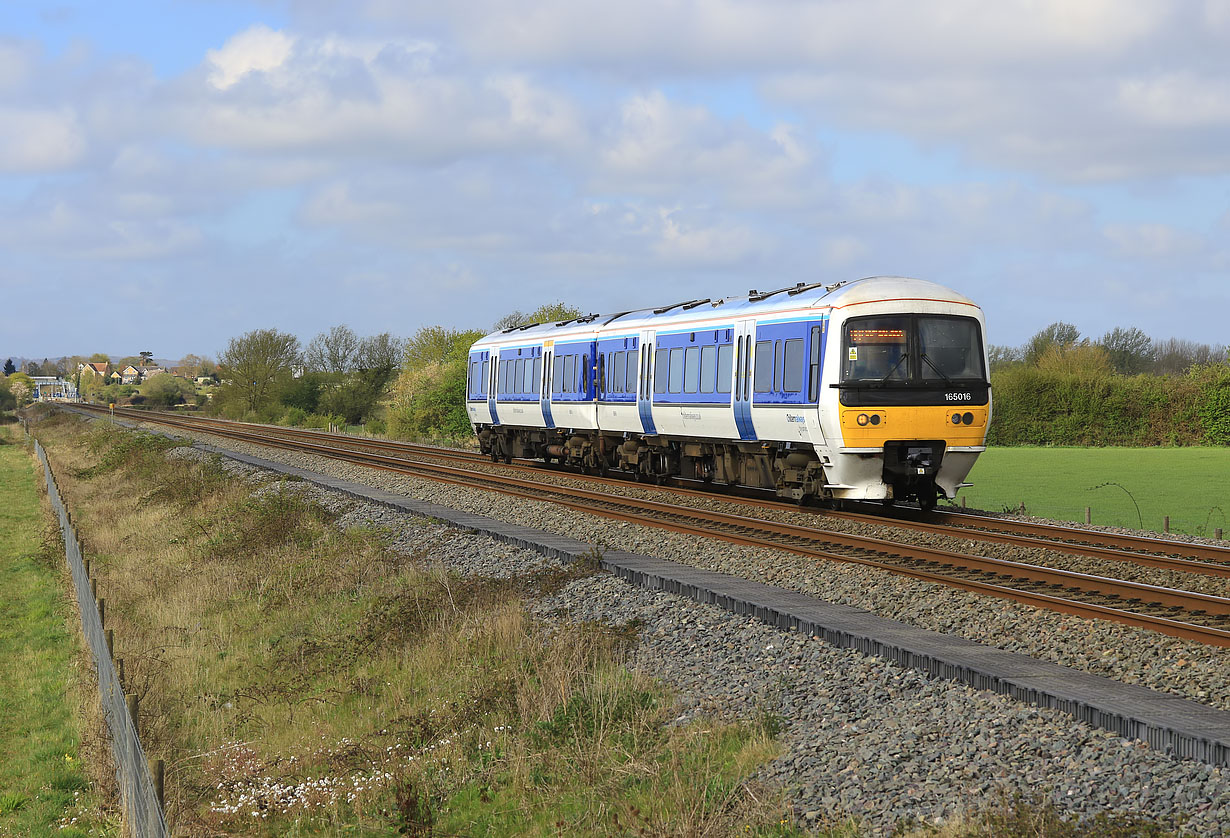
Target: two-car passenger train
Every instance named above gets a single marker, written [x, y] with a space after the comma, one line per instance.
[871, 389]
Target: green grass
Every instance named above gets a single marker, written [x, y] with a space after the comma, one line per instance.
[42, 782]
[1128, 487]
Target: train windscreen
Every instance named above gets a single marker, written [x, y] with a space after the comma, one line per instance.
[912, 349]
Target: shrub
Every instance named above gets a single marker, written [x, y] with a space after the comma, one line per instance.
[1214, 404]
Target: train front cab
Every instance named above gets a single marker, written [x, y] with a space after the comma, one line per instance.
[913, 404]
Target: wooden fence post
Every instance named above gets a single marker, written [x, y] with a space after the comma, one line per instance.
[131, 700]
[157, 770]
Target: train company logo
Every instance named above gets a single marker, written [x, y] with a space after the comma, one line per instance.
[794, 417]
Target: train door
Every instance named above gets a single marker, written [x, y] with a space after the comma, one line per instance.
[544, 395]
[745, 339]
[492, 382]
[644, 394]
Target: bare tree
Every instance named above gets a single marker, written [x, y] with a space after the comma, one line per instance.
[334, 351]
[1004, 356]
[1176, 356]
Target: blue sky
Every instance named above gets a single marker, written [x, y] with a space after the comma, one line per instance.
[175, 173]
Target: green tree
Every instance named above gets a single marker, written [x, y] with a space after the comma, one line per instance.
[21, 385]
[168, 390]
[9, 368]
[7, 400]
[546, 313]
[254, 366]
[1130, 350]
[1057, 334]
[429, 395]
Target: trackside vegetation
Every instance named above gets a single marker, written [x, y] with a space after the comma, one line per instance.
[1124, 389]
[44, 786]
[303, 680]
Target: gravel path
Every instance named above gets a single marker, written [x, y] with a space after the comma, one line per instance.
[1133, 655]
[862, 737]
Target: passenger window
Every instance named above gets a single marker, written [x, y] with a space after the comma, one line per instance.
[691, 369]
[570, 371]
[483, 381]
[536, 385]
[676, 370]
[557, 380]
[725, 366]
[660, 368]
[630, 384]
[584, 386]
[778, 366]
[793, 376]
[708, 368]
[621, 371]
[764, 366]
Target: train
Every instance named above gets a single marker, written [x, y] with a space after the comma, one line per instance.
[872, 389]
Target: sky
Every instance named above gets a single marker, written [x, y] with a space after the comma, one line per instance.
[176, 173]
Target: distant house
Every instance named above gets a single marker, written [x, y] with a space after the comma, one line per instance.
[135, 375]
[94, 369]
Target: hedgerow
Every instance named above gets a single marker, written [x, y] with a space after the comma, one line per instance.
[1035, 406]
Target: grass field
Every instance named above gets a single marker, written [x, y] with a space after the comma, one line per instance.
[42, 781]
[1129, 487]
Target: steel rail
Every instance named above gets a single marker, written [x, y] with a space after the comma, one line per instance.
[800, 540]
[1183, 557]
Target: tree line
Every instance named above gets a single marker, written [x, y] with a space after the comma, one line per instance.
[410, 388]
[1125, 388]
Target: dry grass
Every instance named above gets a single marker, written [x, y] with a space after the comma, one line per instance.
[300, 680]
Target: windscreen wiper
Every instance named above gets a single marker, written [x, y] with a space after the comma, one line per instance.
[943, 375]
[884, 380]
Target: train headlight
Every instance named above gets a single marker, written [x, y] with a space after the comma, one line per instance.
[863, 419]
[968, 418]
[956, 418]
[875, 418]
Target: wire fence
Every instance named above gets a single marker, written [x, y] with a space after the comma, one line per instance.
[138, 796]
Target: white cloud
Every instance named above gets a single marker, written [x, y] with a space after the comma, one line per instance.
[258, 49]
[40, 140]
[1153, 241]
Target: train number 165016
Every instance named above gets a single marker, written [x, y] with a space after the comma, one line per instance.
[958, 397]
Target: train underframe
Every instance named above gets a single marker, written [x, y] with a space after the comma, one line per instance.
[793, 470]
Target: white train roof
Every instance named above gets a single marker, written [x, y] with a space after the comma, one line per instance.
[711, 313]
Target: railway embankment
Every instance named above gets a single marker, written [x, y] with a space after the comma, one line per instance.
[866, 738]
[301, 677]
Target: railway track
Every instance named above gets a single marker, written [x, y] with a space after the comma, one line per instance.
[1208, 560]
[1171, 611]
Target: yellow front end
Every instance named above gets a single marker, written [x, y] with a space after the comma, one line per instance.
[871, 427]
